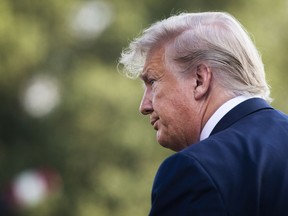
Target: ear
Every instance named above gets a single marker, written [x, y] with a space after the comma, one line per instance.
[203, 79]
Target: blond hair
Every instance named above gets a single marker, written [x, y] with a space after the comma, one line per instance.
[215, 38]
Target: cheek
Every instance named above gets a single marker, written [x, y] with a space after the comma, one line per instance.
[180, 117]
[172, 105]
[173, 116]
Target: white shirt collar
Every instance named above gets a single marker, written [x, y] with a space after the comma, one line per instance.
[220, 112]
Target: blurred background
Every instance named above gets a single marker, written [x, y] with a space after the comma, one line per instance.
[71, 139]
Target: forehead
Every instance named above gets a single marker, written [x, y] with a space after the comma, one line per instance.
[155, 62]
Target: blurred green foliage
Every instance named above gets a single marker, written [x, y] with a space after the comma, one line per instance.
[103, 149]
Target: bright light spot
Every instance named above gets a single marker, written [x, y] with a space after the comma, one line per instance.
[91, 19]
[41, 96]
[29, 189]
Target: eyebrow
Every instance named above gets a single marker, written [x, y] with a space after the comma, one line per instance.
[144, 75]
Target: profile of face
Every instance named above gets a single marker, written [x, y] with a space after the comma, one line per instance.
[169, 100]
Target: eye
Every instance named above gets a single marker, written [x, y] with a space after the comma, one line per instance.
[151, 81]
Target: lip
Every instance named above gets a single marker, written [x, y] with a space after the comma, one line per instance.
[153, 122]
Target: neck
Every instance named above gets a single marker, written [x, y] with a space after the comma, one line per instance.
[212, 102]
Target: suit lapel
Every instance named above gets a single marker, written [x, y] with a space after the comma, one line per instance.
[243, 109]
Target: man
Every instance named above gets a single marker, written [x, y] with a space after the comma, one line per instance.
[207, 98]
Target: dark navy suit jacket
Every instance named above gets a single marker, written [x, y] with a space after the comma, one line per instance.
[240, 170]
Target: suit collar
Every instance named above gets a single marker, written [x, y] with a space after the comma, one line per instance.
[243, 109]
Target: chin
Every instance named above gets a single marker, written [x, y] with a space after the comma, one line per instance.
[170, 146]
[168, 142]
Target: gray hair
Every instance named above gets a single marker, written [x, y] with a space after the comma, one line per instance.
[214, 38]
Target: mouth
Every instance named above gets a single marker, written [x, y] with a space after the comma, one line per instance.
[154, 123]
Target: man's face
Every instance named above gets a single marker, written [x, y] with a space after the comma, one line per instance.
[169, 100]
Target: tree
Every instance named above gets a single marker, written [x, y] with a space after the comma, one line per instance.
[93, 136]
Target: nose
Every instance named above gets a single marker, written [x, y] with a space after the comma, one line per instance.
[146, 106]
